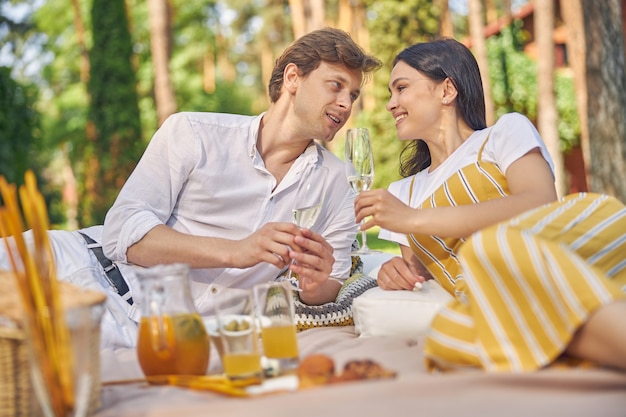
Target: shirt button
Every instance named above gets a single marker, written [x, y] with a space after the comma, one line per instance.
[213, 290]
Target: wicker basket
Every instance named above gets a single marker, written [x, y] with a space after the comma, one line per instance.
[17, 398]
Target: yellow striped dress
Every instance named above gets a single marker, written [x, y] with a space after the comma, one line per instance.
[522, 287]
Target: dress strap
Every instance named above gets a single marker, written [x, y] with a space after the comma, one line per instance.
[411, 191]
[482, 147]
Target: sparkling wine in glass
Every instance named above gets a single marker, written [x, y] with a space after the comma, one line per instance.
[360, 170]
[309, 197]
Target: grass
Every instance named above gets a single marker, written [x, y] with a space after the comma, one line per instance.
[380, 244]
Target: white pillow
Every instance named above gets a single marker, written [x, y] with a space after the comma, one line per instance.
[378, 312]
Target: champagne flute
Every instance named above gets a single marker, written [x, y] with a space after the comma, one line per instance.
[360, 171]
[309, 198]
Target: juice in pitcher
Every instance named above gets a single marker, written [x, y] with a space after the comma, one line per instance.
[173, 345]
[172, 339]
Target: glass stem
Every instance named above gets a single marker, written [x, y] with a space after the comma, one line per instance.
[290, 273]
[364, 237]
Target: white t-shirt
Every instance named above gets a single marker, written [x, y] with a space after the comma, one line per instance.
[510, 138]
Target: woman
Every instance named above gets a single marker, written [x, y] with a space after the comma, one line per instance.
[533, 277]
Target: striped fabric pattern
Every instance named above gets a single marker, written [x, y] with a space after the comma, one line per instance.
[530, 283]
[522, 287]
[475, 183]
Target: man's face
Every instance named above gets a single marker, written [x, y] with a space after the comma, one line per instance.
[324, 99]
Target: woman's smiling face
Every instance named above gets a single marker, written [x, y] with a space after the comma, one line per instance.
[415, 102]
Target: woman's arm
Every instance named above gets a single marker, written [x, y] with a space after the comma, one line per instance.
[531, 185]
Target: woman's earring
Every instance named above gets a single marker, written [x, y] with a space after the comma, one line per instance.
[445, 101]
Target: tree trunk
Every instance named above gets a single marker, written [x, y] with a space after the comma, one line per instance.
[318, 15]
[267, 62]
[479, 46]
[362, 36]
[344, 21]
[547, 116]
[209, 76]
[70, 187]
[606, 78]
[446, 26]
[491, 11]
[224, 64]
[79, 26]
[572, 13]
[160, 47]
[298, 20]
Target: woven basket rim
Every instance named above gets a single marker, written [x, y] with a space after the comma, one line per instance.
[71, 296]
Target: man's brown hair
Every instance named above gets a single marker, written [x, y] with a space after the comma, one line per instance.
[333, 46]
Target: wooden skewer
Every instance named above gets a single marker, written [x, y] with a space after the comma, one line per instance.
[36, 277]
[215, 383]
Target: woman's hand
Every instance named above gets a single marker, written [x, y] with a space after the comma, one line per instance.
[398, 273]
[383, 209]
[530, 184]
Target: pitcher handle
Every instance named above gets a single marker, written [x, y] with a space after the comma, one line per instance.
[160, 328]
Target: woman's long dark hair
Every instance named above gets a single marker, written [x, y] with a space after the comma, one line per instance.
[438, 60]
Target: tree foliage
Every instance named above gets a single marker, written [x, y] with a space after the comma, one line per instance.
[200, 36]
[20, 140]
[221, 52]
[18, 121]
[115, 145]
[393, 26]
[514, 84]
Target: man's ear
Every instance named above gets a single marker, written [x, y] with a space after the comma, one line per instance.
[291, 78]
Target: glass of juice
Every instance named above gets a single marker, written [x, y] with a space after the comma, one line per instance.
[275, 308]
[239, 336]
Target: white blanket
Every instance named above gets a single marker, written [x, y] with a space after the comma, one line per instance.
[414, 392]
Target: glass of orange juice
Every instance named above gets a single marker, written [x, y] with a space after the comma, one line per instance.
[239, 336]
[275, 308]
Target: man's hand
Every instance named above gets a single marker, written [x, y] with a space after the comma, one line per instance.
[314, 259]
[314, 262]
[271, 243]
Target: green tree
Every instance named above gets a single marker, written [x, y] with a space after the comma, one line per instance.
[18, 124]
[200, 37]
[62, 102]
[20, 140]
[514, 81]
[63, 95]
[116, 142]
[64, 99]
[393, 25]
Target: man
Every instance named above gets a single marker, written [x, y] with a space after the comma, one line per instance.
[216, 191]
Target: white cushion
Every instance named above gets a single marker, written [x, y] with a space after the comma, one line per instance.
[378, 312]
[373, 261]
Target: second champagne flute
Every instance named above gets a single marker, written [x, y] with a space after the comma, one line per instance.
[309, 198]
[360, 170]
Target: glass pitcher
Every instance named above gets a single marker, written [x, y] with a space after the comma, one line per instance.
[172, 338]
